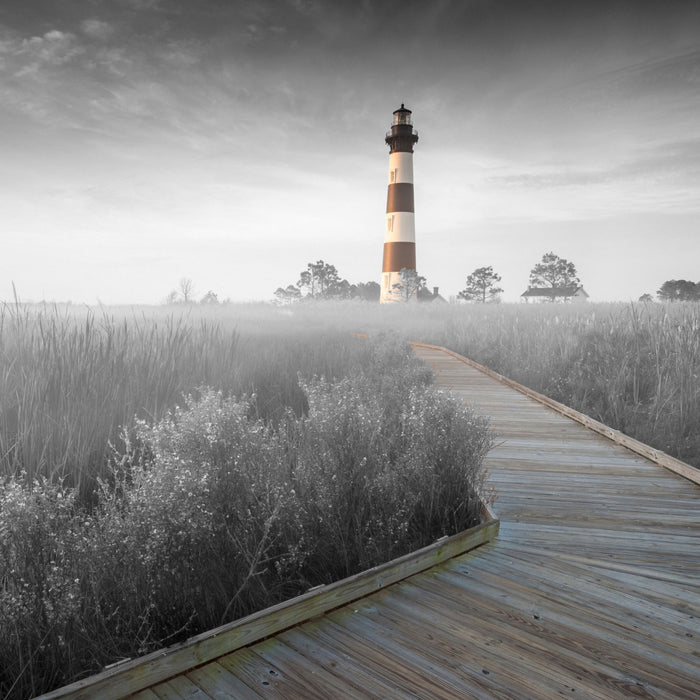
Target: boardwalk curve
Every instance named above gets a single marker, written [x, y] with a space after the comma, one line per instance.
[591, 589]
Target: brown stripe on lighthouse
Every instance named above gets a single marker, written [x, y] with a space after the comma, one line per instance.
[399, 197]
[399, 255]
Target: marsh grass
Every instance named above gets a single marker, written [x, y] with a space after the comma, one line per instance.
[310, 456]
[69, 380]
[634, 367]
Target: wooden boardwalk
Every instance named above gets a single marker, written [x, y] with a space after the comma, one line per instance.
[590, 590]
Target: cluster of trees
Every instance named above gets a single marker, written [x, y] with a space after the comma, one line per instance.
[320, 280]
[184, 293]
[552, 272]
[677, 290]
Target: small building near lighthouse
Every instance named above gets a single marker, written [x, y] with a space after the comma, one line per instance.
[550, 294]
[400, 230]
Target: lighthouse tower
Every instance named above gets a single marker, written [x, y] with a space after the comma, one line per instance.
[400, 231]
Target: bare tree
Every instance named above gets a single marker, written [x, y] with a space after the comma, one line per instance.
[186, 289]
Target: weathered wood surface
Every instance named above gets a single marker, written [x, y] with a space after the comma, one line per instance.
[591, 589]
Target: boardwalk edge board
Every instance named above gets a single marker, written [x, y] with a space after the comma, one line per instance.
[123, 679]
[657, 456]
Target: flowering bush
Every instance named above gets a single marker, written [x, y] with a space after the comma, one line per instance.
[40, 581]
[385, 464]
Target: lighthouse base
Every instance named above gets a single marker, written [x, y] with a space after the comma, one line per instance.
[393, 289]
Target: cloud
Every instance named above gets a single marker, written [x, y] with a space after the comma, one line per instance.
[663, 162]
[116, 61]
[180, 54]
[54, 48]
[96, 29]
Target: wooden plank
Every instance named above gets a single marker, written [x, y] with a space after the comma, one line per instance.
[547, 662]
[343, 665]
[132, 676]
[267, 680]
[652, 454]
[403, 668]
[181, 688]
[218, 683]
[304, 670]
[526, 669]
[145, 695]
[446, 655]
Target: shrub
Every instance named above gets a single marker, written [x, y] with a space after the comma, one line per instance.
[40, 583]
[385, 464]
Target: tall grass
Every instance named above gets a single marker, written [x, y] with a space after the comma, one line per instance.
[634, 367]
[69, 380]
[337, 455]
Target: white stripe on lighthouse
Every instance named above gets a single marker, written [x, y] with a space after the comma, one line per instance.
[401, 165]
[400, 226]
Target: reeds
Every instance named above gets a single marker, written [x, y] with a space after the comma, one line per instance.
[341, 456]
[67, 383]
[634, 367]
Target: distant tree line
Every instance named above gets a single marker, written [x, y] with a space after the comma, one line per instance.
[320, 280]
[184, 293]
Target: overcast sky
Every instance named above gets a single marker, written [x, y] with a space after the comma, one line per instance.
[142, 141]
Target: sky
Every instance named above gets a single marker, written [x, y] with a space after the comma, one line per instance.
[232, 143]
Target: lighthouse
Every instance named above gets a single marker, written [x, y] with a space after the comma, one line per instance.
[400, 230]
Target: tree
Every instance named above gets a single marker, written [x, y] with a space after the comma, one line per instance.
[186, 289]
[319, 279]
[368, 291]
[210, 298]
[554, 271]
[287, 295]
[646, 298]
[679, 290]
[342, 290]
[481, 286]
[172, 297]
[409, 286]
